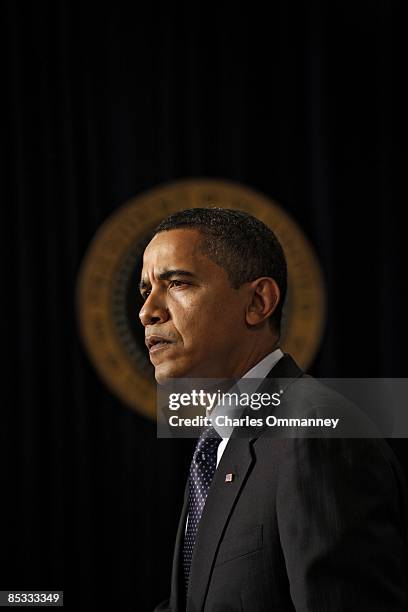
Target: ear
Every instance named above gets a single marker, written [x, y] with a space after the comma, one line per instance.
[264, 296]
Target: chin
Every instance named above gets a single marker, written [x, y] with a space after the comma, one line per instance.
[163, 374]
[161, 378]
[167, 371]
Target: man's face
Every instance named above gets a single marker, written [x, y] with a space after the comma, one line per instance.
[193, 318]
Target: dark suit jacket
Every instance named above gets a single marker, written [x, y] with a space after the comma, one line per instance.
[312, 525]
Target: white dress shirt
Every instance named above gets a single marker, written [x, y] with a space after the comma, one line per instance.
[260, 370]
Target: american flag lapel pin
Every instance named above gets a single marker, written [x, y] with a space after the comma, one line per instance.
[229, 477]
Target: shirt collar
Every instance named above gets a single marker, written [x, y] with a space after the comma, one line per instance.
[261, 369]
[258, 371]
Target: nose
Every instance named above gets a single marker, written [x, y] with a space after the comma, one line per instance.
[153, 311]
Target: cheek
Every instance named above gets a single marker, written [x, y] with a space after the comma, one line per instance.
[193, 327]
[191, 315]
[204, 322]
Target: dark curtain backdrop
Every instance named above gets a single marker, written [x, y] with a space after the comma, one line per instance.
[102, 103]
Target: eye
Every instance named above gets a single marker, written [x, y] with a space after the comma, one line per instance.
[145, 295]
[176, 283]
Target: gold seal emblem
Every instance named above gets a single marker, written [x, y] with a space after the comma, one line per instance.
[107, 290]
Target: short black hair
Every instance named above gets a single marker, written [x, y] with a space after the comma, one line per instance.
[238, 242]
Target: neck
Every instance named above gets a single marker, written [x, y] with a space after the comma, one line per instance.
[256, 353]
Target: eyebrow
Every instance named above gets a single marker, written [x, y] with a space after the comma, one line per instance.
[167, 275]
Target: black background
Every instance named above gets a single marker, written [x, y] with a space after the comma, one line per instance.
[103, 103]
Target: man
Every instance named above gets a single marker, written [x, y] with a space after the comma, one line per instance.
[267, 524]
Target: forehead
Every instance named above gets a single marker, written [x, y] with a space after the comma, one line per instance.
[175, 247]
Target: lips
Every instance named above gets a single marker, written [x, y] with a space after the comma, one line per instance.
[155, 343]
